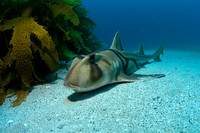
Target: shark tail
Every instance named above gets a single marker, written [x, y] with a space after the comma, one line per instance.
[156, 55]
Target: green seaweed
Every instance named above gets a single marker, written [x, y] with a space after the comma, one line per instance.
[59, 7]
[35, 35]
[73, 2]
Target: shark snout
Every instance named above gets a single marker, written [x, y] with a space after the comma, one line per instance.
[72, 86]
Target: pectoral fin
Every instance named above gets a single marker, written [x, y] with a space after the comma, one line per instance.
[135, 77]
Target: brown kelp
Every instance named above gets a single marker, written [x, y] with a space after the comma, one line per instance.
[35, 35]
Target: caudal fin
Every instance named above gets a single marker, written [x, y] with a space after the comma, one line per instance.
[156, 55]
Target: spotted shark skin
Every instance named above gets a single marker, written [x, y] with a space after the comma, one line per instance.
[114, 65]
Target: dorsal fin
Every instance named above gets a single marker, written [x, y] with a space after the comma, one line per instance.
[117, 44]
[140, 50]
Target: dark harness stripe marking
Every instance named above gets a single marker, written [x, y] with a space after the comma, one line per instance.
[120, 56]
[134, 62]
[95, 71]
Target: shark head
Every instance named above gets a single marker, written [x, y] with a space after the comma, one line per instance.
[92, 71]
[87, 73]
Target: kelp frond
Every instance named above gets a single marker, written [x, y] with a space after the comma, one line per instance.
[60, 7]
[72, 2]
[20, 55]
[20, 1]
[76, 37]
[28, 52]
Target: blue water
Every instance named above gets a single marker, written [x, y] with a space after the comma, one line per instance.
[174, 24]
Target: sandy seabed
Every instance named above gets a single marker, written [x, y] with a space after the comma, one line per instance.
[168, 104]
